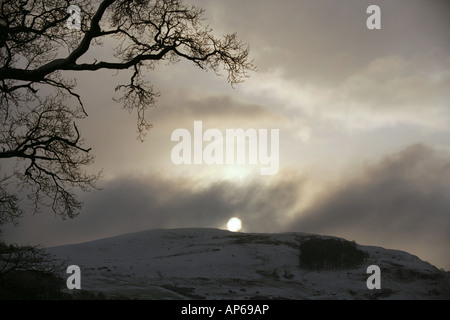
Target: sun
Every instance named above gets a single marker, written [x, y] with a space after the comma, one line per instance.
[236, 172]
[234, 224]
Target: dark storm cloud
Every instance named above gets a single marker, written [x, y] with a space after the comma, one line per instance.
[156, 202]
[328, 40]
[403, 201]
[180, 106]
[131, 204]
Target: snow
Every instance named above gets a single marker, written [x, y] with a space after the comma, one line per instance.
[218, 264]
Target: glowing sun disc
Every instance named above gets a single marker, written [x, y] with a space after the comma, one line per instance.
[234, 224]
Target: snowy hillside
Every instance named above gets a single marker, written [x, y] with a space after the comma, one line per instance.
[218, 264]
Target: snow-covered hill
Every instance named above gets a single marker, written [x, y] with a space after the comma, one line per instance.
[218, 264]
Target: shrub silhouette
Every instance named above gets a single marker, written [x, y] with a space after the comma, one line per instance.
[30, 285]
[318, 253]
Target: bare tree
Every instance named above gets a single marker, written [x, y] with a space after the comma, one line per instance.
[29, 272]
[27, 258]
[40, 107]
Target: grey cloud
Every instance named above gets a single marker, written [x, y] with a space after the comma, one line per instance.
[130, 204]
[328, 40]
[403, 202]
[156, 202]
[181, 106]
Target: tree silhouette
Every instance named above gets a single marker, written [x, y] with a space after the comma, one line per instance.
[29, 272]
[40, 107]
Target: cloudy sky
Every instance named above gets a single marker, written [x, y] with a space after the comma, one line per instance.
[363, 118]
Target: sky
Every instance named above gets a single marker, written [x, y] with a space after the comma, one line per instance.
[363, 119]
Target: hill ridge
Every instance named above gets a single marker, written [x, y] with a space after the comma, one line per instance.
[209, 263]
